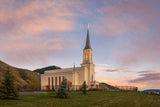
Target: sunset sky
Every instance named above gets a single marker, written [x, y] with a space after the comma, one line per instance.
[125, 37]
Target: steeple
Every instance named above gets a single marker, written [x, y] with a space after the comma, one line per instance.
[88, 44]
[88, 60]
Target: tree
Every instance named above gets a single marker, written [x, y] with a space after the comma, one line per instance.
[8, 89]
[84, 88]
[62, 90]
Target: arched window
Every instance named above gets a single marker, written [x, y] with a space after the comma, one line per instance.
[92, 78]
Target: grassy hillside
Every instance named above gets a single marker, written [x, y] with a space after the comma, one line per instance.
[41, 70]
[92, 99]
[25, 79]
[107, 86]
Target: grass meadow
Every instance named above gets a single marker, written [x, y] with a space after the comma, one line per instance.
[91, 99]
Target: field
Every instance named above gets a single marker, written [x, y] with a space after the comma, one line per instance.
[92, 99]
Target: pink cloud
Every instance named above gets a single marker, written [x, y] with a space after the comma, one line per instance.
[119, 17]
[120, 69]
[21, 39]
[30, 50]
[147, 71]
[39, 16]
[147, 77]
[127, 77]
[141, 50]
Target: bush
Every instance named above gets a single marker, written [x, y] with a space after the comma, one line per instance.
[63, 90]
[8, 89]
[84, 88]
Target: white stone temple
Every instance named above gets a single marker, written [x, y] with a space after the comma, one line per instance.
[75, 76]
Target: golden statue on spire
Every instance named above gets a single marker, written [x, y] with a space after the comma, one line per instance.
[88, 26]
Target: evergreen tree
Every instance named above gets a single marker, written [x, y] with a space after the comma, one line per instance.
[8, 89]
[62, 90]
[84, 88]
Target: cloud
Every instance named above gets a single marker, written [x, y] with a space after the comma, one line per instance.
[140, 50]
[38, 16]
[128, 77]
[33, 31]
[103, 65]
[127, 16]
[118, 70]
[111, 68]
[146, 77]
[32, 50]
[147, 71]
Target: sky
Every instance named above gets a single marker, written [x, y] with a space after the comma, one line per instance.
[124, 34]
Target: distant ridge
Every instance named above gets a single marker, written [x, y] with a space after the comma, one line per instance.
[107, 86]
[41, 70]
[151, 90]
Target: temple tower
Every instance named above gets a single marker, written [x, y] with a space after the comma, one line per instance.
[88, 59]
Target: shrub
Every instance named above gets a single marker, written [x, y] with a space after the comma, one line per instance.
[63, 90]
[84, 88]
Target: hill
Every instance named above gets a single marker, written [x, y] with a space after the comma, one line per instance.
[107, 86]
[41, 70]
[25, 79]
[151, 90]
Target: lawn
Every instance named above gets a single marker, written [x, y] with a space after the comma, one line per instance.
[92, 99]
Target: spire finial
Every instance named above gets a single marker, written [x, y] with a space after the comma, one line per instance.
[88, 26]
[88, 45]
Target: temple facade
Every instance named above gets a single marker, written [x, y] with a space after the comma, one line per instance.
[75, 76]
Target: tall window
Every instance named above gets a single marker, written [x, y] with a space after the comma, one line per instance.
[56, 81]
[52, 82]
[92, 77]
[49, 81]
[59, 80]
[86, 57]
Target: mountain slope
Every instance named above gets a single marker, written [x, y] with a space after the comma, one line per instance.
[41, 70]
[25, 79]
[107, 86]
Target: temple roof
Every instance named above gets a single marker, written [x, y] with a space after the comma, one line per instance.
[88, 44]
[64, 70]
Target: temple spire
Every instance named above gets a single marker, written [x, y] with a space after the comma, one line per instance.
[88, 44]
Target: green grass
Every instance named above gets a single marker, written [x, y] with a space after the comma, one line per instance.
[92, 99]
